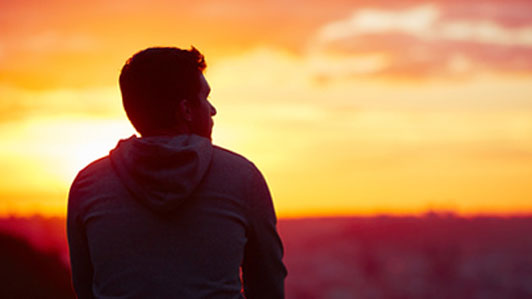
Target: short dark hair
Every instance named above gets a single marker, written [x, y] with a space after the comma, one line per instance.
[154, 80]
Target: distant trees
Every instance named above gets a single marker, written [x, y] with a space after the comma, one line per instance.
[28, 273]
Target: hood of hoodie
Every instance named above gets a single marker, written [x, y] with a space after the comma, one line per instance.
[162, 171]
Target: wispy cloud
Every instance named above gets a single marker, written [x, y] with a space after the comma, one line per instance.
[425, 41]
[417, 21]
[53, 41]
[18, 104]
[424, 22]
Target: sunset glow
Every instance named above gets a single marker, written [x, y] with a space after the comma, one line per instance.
[347, 107]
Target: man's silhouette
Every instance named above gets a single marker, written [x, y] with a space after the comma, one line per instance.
[168, 214]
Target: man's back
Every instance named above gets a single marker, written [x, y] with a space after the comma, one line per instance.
[173, 217]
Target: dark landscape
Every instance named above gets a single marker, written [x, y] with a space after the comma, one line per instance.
[430, 256]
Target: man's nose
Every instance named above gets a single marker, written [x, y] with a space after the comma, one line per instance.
[213, 110]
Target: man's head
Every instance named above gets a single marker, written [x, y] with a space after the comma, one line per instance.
[164, 92]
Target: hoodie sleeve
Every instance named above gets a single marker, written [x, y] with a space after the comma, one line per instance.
[82, 270]
[263, 271]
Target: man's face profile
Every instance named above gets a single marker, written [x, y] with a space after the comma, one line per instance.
[202, 111]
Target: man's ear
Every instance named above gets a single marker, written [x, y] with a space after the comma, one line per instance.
[185, 110]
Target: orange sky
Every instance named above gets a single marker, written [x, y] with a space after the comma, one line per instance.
[348, 107]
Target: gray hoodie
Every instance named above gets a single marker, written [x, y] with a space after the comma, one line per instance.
[173, 217]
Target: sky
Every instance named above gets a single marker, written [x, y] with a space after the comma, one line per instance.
[348, 107]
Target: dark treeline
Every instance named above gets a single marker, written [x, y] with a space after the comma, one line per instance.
[29, 273]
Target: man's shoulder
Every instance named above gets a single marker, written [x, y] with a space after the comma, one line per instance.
[233, 162]
[95, 171]
[224, 154]
[91, 180]
[97, 166]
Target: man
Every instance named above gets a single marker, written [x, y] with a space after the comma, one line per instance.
[169, 215]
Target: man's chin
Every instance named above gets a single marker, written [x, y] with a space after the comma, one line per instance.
[207, 135]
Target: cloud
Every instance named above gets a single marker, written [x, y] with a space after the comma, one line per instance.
[424, 40]
[18, 104]
[53, 41]
[424, 22]
[366, 21]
